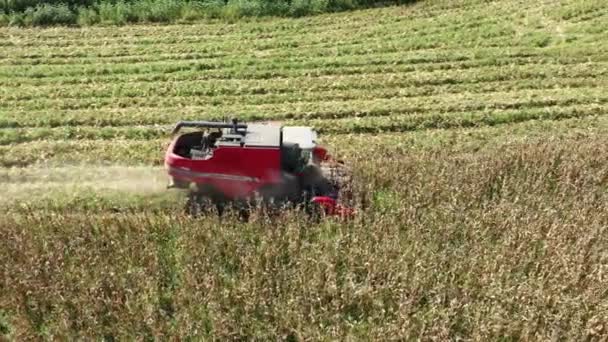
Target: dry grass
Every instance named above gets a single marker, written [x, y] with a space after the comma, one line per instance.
[509, 242]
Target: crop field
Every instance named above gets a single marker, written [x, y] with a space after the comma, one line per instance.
[477, 132]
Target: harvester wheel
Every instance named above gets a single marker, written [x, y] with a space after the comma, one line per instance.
[191, 207]
[314, 211]
[243, 211]
[198, 205]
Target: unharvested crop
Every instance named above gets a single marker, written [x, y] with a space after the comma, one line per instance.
[504, 242]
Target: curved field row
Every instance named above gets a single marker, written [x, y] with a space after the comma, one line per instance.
[321, 43]
[416, 16]
[394, 69]
[300, 57]
[296, 90]
[302, 110]
[379, 123]
[397, 62]
[405, 37]
[220, 60]
[344, 45]
[482, 70]
[150, 151]
[206, 103]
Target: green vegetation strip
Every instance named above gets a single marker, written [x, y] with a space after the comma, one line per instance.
[375, 122]
[458, 137]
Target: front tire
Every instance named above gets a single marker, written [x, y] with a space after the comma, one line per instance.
[198, 205]
[314, 211]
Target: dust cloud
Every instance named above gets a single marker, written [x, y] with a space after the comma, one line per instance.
[22, 183]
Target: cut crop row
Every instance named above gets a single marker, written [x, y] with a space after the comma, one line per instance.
[392, 122]
[151, 152]
[448, 120]
[352, 87]
[312, 28]
[299, 71]
[335, 57]
[295, 66]
[400, 40]
[144, 114]
[551, 73]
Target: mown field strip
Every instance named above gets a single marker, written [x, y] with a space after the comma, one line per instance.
[190, 52]
[310, 45]
[365, 74]
[298, 89]
[301, 71]
[101, 95]
[40, 183]
[202, 72]
[359, 44]
[304, 30]
[396, 37]
[70, 174]
[470, 138]
[78, 152]
[580, 9]
[338, 106]
[16, 136]
[286, 28]
[413, 122]
[377, 124]
[54, 153]
[349, 53]
[393, 33]
[145, 114]
[297, 29]
[586, 22]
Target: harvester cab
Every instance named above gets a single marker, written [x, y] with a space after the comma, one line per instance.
[231, 162]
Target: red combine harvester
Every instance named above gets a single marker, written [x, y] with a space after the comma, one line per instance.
[243, 165]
